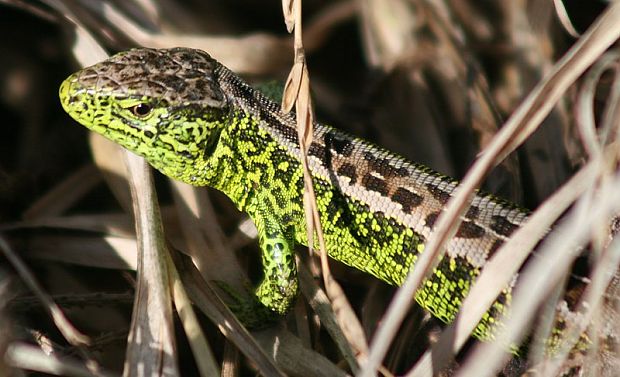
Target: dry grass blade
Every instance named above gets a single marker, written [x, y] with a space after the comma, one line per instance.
[585, 102]
[521, 124]
[120, 253]
[57, 200]
[387, 28]
[289, 13]
[34, 359]
[500, 270]
[108, 158]
[71, 334]
[321, 305]
[230, 361]
[215, 260]
[206, 242]
[297, 91]
[205, 298]
[103, 252]
[151, 348]
[151, 344]
[609, 122]
[564, 18]
[294, 358]
[200, 348]
[591, 303]
[113, 224]
[555, 256]
[291, 87]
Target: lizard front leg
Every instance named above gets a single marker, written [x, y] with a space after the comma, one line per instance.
[279, 286]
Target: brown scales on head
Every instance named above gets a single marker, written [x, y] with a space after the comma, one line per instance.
[178, 76]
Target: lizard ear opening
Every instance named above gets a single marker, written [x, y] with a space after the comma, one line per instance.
[212, 143]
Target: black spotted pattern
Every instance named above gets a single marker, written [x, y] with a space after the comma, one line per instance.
[318, 151]
[341, 146]
[438, 194]
[373, 183]
[430, 219]
[472, 213]
[502, 226]
[467, 229]
[407, 199]
[348, 170]
[384, 166]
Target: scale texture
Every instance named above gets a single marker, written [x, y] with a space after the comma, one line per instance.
[199, 123]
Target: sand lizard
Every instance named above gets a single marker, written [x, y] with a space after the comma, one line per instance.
[198, 122]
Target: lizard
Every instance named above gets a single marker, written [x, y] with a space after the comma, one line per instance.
[196, 121]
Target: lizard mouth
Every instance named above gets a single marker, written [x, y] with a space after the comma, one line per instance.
[66, 92]
[73, 101]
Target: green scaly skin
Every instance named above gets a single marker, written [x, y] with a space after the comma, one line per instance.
[197, 122]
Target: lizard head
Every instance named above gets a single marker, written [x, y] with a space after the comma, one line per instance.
[164, 105]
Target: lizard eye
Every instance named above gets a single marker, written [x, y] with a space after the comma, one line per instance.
[141, 110]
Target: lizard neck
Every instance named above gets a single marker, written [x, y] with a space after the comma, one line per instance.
[231, 168]
[252, 158]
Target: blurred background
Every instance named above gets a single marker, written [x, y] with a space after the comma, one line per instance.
[431, 80]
